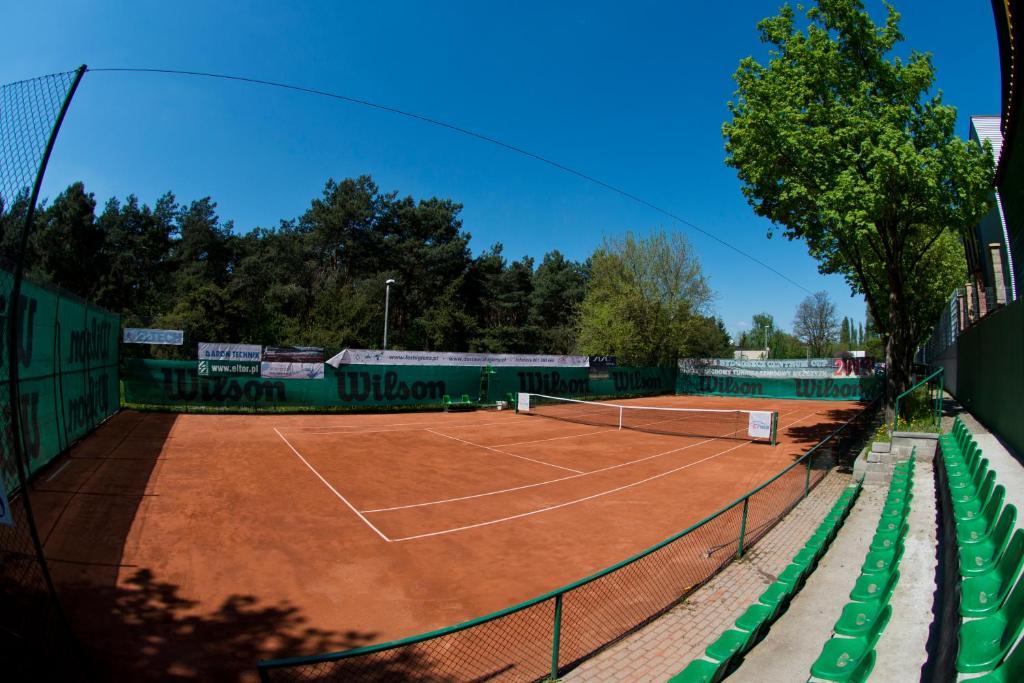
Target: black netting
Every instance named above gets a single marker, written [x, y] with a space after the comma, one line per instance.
[34, 642]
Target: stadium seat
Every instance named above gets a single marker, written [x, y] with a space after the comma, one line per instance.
[842, 658]
[979, 527]
[969, 484]
[776, 595]
[729, 644]
[1011, 670]
[885, 538]
[794, 574]
[858, 618]
[978, 558]
[882, 561]
[700, 671]
[874, 587]
[985, 642]
[985, 593]
[756, 618]
[967, 506]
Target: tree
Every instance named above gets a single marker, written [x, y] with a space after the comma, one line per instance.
[844, 331]
[642, 293]
[816, 325]
[841, 146]
[558, 288]
[705, 336]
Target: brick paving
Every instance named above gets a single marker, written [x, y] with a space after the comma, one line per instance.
[665, 646]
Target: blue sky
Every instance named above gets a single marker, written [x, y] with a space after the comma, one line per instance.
[631, 93]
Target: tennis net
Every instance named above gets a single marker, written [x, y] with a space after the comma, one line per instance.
[745, 425]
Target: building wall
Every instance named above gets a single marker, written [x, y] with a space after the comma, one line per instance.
[990, 372]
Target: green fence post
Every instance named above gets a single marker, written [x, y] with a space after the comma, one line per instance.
[557, 636]
[743, 526]
[807, 476]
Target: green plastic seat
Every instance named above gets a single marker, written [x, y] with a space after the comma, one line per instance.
[966, 506]
[882, 561]
[844, 660]
[776, 595]
[958, 466]
[1011, 670]
[728, 645]
[700, 671]
[874, 587]
[971, 484]
[984, 594]
[859, 618]
[887, 540]
[794, 574]
[807, 557]
[985, 642]
[978, 528]
[978, 558]
[756, 618]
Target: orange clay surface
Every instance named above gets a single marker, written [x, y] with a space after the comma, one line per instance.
[189, 546]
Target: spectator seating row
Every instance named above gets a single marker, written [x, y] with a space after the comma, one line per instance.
[991, 557]
[849, 655]
[725, 653]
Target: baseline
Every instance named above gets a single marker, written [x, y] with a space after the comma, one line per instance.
[332, 489]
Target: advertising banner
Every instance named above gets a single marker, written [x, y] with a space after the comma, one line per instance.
[293, 354]
[279, 370]
[220, 368]
[759, 424]
[445, 358]
[138, 335]
[829, 388]
[810, 367]
[234, 352]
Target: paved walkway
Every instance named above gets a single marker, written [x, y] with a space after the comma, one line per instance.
[665, 646]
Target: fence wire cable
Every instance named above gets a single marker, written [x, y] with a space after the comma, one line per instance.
[464, 131]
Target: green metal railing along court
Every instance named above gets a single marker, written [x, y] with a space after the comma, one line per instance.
[549, 634]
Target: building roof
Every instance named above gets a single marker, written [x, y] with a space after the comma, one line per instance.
[988, 128]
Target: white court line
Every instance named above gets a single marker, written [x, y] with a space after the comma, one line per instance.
[350, 430]
[567, 503]
[333, 490]
[59, 470]
[522, 457]
[572, 476]
[556, 438]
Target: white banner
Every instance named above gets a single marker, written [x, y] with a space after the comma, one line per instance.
[759, 425]
[5, 509]
[279, 370]
[238, 352]
[371, 357]
[138, 335]
[811, 368]
[523, 403]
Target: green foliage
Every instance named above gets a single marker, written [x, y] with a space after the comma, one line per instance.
[641, 299]
[842, 146]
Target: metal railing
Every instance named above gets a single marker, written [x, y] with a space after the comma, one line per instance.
[551, 633]
[935, 384]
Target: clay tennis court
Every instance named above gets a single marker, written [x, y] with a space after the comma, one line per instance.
[190, 546]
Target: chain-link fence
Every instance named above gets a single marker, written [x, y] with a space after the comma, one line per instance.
[550, 634]
[34, 641]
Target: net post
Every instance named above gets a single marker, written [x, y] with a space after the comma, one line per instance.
[620, 417]
[775, 427]
[743, 527]
[556, 636]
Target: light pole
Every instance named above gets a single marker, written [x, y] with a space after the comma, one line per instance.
[387, 301]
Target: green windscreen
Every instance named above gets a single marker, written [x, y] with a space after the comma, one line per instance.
[67, 370]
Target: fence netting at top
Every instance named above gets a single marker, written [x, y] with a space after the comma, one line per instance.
[58, 376]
